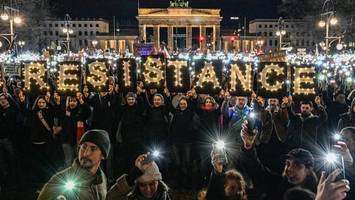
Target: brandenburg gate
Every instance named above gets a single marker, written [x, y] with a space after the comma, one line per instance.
[180, 26]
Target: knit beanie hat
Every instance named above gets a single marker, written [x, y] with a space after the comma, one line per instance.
[99, 137]
[131, 94]
[152, 173]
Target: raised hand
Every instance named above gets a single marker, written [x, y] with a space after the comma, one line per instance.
[329, 189]
[344, 151]
[140, 164]
[248, 136]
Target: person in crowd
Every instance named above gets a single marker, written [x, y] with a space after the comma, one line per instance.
[130, 131]
[181, 135]
[347, 119]
[157, 121]
[273, 134]
[42, 139]
[8, 116]
[331, 189]
[105, 108]
[208, 126]
[234, 116]
[298, 193]
[336, 107]
[223, 184]
[143, 182]
[74, 119]
[84, 179]
[298, 170]
[303, 127]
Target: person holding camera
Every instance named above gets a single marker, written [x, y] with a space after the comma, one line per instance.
[298, 169]
[143, 182]
[223, 184]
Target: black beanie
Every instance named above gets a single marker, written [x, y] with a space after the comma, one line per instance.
[100, 138]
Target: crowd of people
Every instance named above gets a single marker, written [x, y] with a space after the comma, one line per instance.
[102, 145]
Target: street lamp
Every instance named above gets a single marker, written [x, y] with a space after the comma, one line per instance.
[280, 32]
[94, 43]
[21, 43]
[12, 15]
[67, 30]
[328, 20]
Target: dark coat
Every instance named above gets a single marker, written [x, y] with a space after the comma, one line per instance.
[273, 122]
[336, 109]
[182, 127]
[70, 123]
[91, 187]
[105, 113]
[8, 117]
[269, 185]
[39, 133]
[157, 123]
[131, 124]
[303, 132]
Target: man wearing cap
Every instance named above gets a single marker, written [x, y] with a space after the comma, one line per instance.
[144, 182]
[298, 170]
[84, 179]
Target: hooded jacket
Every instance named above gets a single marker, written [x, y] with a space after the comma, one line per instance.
[86, 185]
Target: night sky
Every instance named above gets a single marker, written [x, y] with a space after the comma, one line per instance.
[127, 9]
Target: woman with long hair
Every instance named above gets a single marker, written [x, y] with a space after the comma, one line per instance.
[41, 137]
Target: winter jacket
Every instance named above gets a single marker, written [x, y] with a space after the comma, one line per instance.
[157, 123]
[208, 120]
[39, 133]
[86, 185]
[8, 117]
[303, 132]
[123, 191]
[104, 113]
[273, 122]
[131, 124]
[70, 123]
[234, 116]
[337, 110]
[182, 127]
[269, 185]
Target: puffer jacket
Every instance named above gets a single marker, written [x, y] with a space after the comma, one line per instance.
[86, 186]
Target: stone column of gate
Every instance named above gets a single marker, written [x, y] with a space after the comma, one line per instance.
[142, 34]
[203, 35]
[156, 36]
[170, 37]
[217, 37]
[189, 37]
